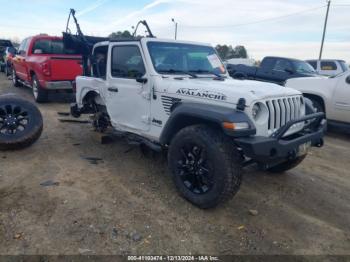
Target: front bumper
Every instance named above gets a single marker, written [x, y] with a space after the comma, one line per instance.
[59, 85]
[277, 148]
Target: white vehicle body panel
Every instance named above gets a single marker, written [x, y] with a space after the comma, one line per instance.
[339, 69]
[133, 109]
[335, 93]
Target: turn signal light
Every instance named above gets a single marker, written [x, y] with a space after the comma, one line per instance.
[235, 126]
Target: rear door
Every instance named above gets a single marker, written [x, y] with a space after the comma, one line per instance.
[64, 64]
[264, 71]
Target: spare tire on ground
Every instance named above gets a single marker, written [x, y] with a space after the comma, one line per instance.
[21, 123]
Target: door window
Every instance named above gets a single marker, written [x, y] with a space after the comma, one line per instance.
[127, 62]
[328, 65]
[99, 66]
[282, 65]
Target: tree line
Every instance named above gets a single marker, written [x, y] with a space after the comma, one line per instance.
[225, 51]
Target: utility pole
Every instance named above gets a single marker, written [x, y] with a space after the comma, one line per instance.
[173, 20]
[324, 29]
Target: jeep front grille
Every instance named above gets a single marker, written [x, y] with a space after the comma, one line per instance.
[282, 110]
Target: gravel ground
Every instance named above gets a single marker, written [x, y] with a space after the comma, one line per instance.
[124, 202]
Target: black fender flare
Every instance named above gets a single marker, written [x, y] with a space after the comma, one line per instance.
[189, 113]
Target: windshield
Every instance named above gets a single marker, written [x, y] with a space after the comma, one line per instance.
[303, 67]
[181, 58]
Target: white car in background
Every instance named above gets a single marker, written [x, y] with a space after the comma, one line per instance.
[240, 61]
[329, 67]
[328, 94]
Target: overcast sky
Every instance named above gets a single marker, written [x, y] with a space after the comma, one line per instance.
[291, 28]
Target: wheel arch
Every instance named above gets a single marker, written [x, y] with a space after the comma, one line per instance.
[187, 114]
[87, 94]
[318, 98]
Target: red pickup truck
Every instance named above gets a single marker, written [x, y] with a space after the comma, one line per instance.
[43, 64]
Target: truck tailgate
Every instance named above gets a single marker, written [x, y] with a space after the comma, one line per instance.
[65, 67]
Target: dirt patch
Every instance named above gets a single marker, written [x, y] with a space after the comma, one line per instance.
[125, 203]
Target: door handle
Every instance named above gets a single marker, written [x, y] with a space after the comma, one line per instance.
[113, 89]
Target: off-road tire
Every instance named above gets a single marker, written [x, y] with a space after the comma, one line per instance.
[285, 166]
[317, 105]
[32, 130]
[40, 94]
[7, 70]
[15, 81]
[225, 164]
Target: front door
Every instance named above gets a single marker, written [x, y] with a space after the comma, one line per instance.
[128, 88]
[281, 71]
[341, 99]
[19, 60]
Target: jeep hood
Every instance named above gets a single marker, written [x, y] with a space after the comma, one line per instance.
[228, 90]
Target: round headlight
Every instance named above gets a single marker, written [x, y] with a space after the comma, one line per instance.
[256, 110]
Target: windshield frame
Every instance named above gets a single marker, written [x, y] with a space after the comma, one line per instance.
[344, 66]
[183, 72]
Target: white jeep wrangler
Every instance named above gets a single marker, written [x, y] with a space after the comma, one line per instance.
[177, 96]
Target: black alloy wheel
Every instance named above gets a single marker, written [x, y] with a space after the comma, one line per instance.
[13, 119]
[194, 169]
[205, 165]
[21, 123]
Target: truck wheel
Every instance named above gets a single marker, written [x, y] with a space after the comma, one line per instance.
[40, 94]
[15, 81]
[317, 105]
[205, 166]
[285, 166]
[6, 70]
[21, 123]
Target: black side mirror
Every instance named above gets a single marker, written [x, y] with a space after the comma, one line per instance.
[347, 80]
[141, 80]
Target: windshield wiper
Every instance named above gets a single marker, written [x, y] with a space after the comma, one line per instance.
[174, 71]
[200, 71]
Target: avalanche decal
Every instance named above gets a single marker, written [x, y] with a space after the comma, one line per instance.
[200, 93]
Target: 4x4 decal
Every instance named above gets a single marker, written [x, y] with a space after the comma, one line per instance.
[200, 93]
